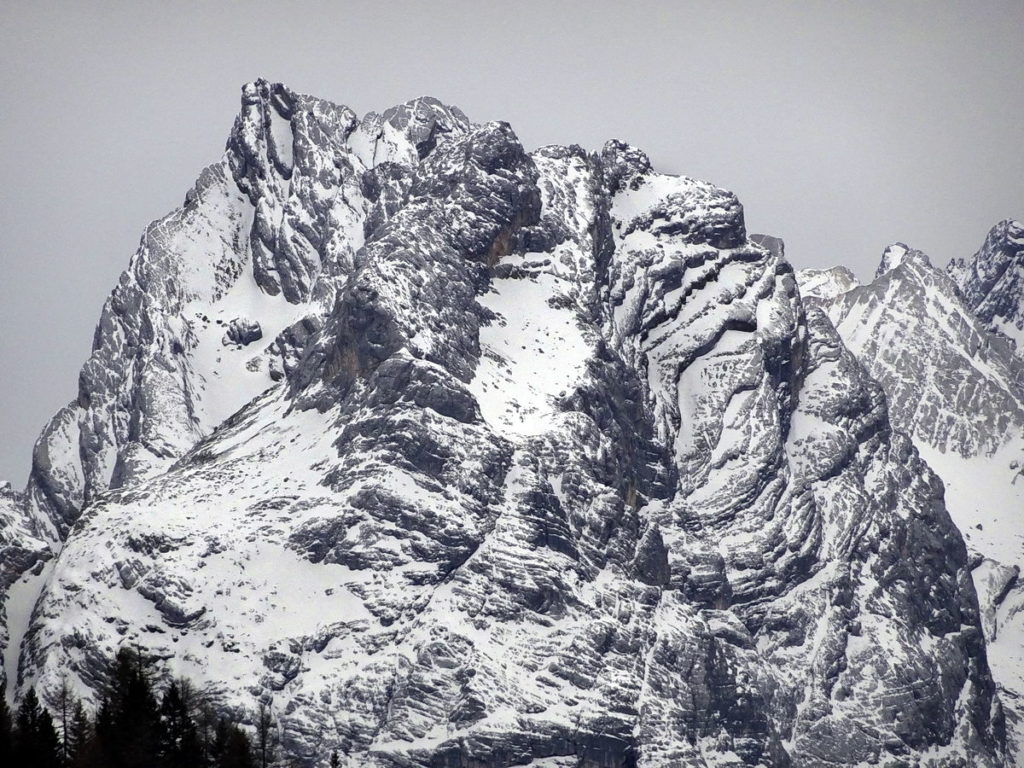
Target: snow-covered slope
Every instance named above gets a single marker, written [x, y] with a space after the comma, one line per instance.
[953, 385]
[24, 555]
[539, 459]
[826, 284]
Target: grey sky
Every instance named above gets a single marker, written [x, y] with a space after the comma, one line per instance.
[841, 126]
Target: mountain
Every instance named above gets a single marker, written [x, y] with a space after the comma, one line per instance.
[954, 385]
[825, 284]
[456, 454]
[992, 282]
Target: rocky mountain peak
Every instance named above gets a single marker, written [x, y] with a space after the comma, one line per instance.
[917, 305]
[423, 119]
[826, 284]
[955, 386]
[992, 281]
[536, 458]
[898, 254]
[622, 163]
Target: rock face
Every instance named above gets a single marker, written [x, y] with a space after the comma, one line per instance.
[953, 384]
[242, 332]
[826, 284]
[992, 282]
[264, 237]
[538, 459]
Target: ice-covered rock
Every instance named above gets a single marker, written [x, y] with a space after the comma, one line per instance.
[243, 332]
[827, 283]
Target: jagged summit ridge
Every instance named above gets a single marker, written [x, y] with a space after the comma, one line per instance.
[992, 281]
[536, 458]
[264, 237]
[911, 328]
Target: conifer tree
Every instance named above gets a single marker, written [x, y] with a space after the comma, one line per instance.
[6, 733]
[264, 735]
[238, 752]
[231, 747]
[103, 738]
[35, 742]
[47, 742]
[65, 707]
[80, 735]
[133, 740]
[131, 729]
[206, 725]
[220, 743]
[179, 741]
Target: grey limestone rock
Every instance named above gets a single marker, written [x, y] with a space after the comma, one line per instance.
[953, 383]
[992, 281]
[547, 463]
[243, 332]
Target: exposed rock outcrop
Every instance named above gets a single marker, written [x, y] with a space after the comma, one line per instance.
[547, 463]
[953, 384]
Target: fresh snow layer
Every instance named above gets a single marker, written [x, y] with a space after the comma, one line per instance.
[985, 498]
[21, 599]
[531, 354]
[398, 579]
[231, 375]
[825, 284]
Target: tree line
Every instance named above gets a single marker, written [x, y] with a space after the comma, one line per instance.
[136, 725]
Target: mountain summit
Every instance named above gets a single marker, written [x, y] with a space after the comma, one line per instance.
[457, 454]
[992, 281]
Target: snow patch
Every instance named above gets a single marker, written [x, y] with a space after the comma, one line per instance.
[21, 599]
[532, 354]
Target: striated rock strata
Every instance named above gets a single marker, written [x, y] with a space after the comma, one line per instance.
[537, 458]
[954, 385]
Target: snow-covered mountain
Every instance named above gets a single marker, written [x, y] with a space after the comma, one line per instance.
[992, 281]
[462, 455]
[954, 385]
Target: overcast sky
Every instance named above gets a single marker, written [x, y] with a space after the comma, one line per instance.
[841, 126]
